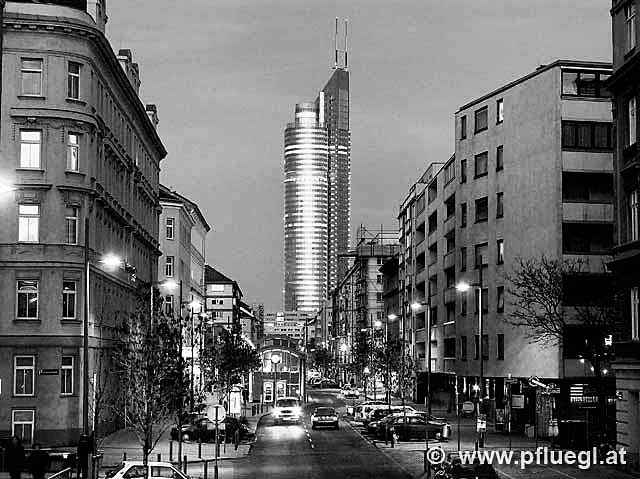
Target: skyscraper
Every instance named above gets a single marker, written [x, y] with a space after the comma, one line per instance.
[318, 192]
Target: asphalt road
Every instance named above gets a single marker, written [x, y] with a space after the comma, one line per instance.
[297, 451]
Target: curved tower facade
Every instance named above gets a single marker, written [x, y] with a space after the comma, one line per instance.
[306, 220]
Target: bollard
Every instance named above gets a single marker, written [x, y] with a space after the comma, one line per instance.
[206, 469]
[170, 451]
[159, 457]
[124, 456]
[185, 464]
[199, 448]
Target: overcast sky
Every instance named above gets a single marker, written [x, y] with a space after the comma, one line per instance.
[226, 75]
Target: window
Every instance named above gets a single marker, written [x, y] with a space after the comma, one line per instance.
[500, 251]
[499, 111]
[481, 116]
[170, 228]
[481, 254]
[450, 206]
[631, 114]
[450, 241]
[66, 376]
[73, 151]
[500, 158]
[30, 143]
[485, 300]
[584, 83]
[635, 313]
[463, 259]
[168, 266]
[463, 127]
[463, 348]
[499, 205]
[71, 225]
[27, 302]
[634, 215]
[31, 72]
[23, 375]
[463, 171]
[449, 347]
[587, 135]
[379, 258]
[449, 172]
[22, 424]
[630, 23]
[433, 315]
[69, 299]
[500, 354]
[379, 297]
[500, 305]
[463, 215]
[28, 221]
[485, 347]
[463, 305]
[482, 209]
[481, 164]
[73, 80]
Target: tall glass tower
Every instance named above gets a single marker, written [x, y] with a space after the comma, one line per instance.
[306, 220]
[317, 211]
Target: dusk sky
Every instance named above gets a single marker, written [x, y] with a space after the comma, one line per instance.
[226, 75]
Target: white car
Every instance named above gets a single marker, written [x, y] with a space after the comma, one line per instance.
[324, 416]
[287, 409]
[349, 392]
[153, 470]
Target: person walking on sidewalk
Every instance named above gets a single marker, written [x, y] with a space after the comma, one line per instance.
[15, 458]
[39, 462]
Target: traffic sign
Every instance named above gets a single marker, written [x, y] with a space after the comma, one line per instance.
[216, 413]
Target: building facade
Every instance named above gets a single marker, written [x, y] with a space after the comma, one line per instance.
[624, 84]
[358, 300]
[531, 176]
[222, 299]
[79, 149]
[287, 323]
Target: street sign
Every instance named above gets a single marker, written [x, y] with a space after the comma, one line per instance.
[468, 407]
[216, 413]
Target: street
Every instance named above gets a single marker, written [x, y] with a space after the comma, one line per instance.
[297, 451]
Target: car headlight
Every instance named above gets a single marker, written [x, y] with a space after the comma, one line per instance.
[276, 411]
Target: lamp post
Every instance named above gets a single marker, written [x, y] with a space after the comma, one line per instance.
[193, 304]
[390, 317]
[275, 360]
[465, 287]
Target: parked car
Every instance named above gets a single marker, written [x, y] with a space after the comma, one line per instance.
[153, 470]
[384, 407]
[287, 409]
[361, 410]
[205, 430]
[326, 384]
[378, 415]
[349, 392]
[413, 426]
[324, 416]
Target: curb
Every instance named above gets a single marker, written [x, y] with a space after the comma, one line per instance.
[387, 455]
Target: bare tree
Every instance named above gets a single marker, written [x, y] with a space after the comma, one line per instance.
[147, 352]
[544, 304]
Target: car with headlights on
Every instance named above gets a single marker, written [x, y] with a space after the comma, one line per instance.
[287, 409]
[324, 416]
[349, 392]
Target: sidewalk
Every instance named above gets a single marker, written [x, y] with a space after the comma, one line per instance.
[124, 442]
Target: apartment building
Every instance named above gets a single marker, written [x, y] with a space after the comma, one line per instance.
[531, 176]
[81, 159]
[624, 84]
[358, 299]
[287, 323]
[222, 299]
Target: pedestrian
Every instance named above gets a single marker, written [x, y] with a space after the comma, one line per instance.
[39, 462]
[15, 458]
[83, 455]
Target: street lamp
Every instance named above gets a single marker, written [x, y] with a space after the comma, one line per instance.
[275, 360]
[417, 306]
[464, 287]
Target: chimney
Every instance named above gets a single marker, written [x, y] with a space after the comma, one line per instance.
[131, 69]
[97, 9]
[152, 113]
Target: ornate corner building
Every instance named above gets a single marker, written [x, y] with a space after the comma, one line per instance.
[78, 149]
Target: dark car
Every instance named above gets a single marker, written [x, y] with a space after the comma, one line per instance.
[324, 416]
[326, 384]
[205, 430]
[412, 427]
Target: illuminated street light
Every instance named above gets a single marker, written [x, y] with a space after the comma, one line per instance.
[378, 323]
[392, 316]
[343, 347]
[111, 260]
[416, 306]
[463, 287]
[170, 284]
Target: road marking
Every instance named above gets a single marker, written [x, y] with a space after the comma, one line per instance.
[508, 476]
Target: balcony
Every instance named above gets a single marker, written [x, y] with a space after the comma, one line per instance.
[587, 212]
